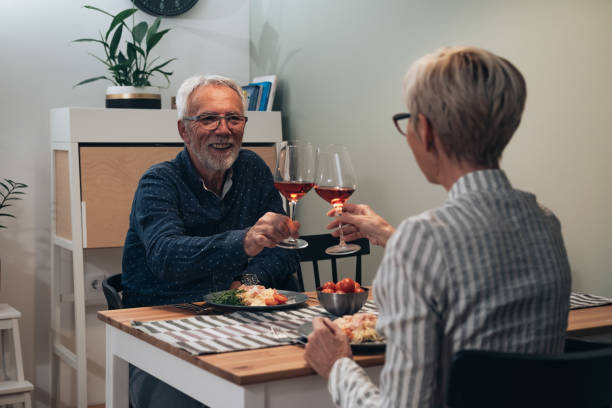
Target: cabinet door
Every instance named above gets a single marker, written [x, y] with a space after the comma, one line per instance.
[109, 177]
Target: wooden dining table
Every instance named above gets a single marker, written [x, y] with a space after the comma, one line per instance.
[269, 377]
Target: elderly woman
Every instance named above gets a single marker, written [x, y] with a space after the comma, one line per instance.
[486, 270]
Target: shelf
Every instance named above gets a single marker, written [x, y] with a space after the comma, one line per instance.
[100, 125]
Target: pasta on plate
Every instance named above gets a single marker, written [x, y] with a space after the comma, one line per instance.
[359, 328]
[258, 295]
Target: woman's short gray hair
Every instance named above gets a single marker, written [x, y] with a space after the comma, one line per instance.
[191, 84]
[473, 99]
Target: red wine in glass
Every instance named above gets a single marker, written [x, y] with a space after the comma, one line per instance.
[335, 183]
[293, 178]
[335, 195]
[293, 190]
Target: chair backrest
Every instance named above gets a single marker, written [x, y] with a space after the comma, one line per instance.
[111, 286]
[581, 379]
[315, 251]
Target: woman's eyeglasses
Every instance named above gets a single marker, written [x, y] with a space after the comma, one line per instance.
[401, 122]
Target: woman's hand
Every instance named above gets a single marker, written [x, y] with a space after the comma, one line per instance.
[360, 221]
[326, 344]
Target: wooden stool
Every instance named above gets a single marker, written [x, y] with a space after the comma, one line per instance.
[13, 387]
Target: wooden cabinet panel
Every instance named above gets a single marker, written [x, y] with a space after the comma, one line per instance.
[109, 177]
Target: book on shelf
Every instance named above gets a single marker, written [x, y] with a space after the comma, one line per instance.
[260, 93]
[264, 91]
[272, 81]
[253, 96]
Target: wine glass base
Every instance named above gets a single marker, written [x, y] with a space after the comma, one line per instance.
[342, 250]
[293, 244]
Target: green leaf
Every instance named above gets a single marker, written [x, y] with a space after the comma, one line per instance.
[140, 31]
[154, 39]
[119, 19]
[121, 58]
[7, 215]
[153, 28]
[13, 198]
[157, 68]
[100, 10]
[115, 41]
[131, 51]
[100, 59]
[90, 40]
[88, 80]
[5, 186]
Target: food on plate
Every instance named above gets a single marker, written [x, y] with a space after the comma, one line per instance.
[251, 295]
[229, 297]
[346, 285]
[359, 328]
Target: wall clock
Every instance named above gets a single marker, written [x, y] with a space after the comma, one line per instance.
[165, 8]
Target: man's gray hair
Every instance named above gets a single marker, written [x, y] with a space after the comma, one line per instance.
[473, 99]
[191, 84]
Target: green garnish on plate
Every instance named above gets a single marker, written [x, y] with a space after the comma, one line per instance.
[229, 297]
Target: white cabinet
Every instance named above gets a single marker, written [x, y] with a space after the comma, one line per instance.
[98, 156]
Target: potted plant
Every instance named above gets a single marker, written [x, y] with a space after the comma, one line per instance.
[9, 191]
[130, 67]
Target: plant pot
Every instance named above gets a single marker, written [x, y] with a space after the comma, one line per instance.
[133, 97]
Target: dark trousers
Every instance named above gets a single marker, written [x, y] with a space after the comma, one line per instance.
[147, 391]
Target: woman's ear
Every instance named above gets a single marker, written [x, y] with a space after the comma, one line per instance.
[426, 132]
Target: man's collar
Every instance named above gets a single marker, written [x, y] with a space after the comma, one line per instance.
[227, 183]
[480, 180]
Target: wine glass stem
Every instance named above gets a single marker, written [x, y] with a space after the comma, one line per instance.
[339, 214]
[291, 215]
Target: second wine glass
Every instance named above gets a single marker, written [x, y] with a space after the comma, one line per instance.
[335, 183]
[294, 177]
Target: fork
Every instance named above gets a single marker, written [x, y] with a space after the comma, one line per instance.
[282, 335]
[192, 307]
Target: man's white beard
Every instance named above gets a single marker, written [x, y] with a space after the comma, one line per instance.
[213, 163]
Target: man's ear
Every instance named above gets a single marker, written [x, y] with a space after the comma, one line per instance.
[182, 131]
[426, 133]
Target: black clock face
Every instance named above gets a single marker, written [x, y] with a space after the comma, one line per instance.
[165, 7]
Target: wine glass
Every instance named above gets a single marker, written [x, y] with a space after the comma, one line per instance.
[335, 183]
[294, 177]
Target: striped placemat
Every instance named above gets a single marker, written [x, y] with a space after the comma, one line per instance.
[235, 331]
[581, 300]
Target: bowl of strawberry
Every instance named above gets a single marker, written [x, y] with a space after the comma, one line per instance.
[345, 297]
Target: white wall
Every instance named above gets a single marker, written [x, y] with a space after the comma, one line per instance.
[39, 66]
[341, 64]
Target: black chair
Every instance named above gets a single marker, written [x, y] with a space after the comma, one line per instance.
[315, 251]
[111, 286]
[581, 377]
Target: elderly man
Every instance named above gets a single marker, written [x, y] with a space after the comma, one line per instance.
[486, 270]
[209, 215]
[203, 219]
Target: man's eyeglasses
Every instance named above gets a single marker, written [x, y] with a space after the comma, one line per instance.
[401, 122]
[211, 122]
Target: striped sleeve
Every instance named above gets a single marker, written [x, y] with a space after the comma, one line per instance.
[407, 289]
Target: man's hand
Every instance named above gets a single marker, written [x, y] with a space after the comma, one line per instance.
[326, 344]
[268, 231]
[360, 221]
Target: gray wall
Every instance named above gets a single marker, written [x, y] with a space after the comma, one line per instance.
[39, 66]
[341, 64]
